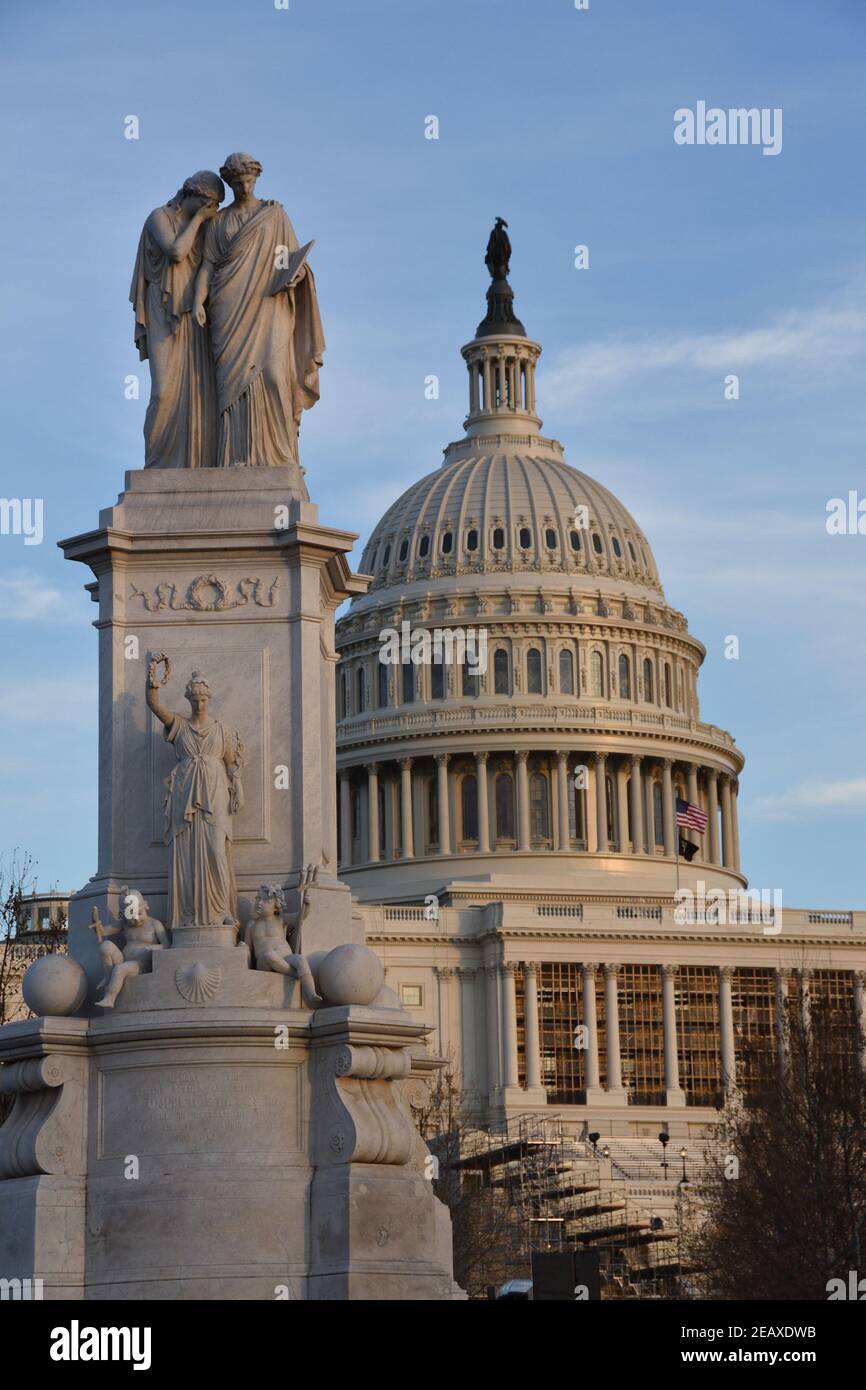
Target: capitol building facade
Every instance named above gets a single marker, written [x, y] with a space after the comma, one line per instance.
[508, 827]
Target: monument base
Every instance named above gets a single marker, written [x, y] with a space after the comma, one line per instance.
[249, 1149]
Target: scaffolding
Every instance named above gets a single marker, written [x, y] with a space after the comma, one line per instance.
[566, 1195]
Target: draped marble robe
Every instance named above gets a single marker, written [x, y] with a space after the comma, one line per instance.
[180, 427]
[198, 828]
[267, 340]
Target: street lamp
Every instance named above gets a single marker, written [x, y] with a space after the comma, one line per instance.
[664, 1140]
[684, 1179]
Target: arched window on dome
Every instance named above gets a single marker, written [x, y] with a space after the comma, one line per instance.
[472, 539]
[386, 557]
[437, 677]
[501, 672]
[373, 560]
[408, 683]
[597, 671]
[648, 680]
[469, 807]
[551, 540]
[504, 799]
[539, 807]
[498, 538]
[597, 543]
[668, 690]
[617, 548]
[524, 538]
[404, 550]
[574, 540]
[632, 552]
[432, 815]
[658, 815]
[423, 547]
[383, 685]
[471, 679]
[534, 680]
[447, 542]
[566, 672]
[624, 677]
[361, 690]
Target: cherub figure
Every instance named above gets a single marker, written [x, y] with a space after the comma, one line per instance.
[143, 935]
[265, 933]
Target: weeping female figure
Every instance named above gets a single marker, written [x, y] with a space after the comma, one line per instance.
[180, 428]
[203, 792]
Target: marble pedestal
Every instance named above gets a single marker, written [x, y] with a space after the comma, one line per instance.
[228, 572]
[210, 1137]
[235, 1148]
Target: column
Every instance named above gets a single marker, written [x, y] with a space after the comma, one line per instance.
[483, 805]
[468, 1028]
[509, 1024]
[727, 830]
[649, 820]
[713, 813]
[590, 819]
[783, 1040]
[445, 974]
[694, 798]
[486, 373]
[522, 799]
[345, 820]
[611, 1014]
[473, 387]
[591, 1025]
[636, 805]
[668, 817]
[406, 807]
[735, 824]
[562, 798]
[442, 760]
[622, 804]
[530, 386]
[726, 1030]
[860, 1014]
[531, 1031]
[675, 1095]
[491, 975]
[373, 813]
[601, 801]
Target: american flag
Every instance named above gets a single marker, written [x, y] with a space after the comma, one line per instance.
[691, 817]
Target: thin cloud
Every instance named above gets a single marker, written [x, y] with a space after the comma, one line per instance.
[817, 339]
[813, 796]
[27, 597]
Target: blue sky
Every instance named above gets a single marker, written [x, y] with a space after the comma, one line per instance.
[704, 261]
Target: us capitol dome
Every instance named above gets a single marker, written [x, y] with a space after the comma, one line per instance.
[510, 833]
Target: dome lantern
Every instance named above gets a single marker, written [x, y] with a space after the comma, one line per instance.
[501, 358]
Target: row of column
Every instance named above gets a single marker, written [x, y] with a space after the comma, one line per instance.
[510, 369]
[721, 790]
[502, 1024]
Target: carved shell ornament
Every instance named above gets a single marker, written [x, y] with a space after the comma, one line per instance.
[198, 983]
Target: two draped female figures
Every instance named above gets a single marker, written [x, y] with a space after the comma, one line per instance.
[227, 315]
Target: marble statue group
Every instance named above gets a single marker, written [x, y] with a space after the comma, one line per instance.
[227, 316]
